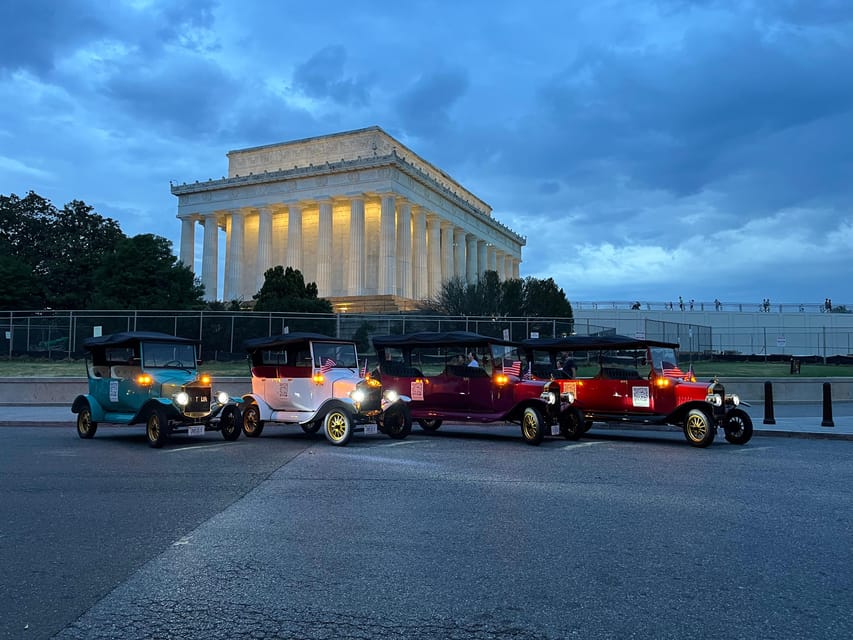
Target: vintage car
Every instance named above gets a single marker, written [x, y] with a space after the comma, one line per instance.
[150, 378]
[315, 381]
[619, 379]
[467, 377]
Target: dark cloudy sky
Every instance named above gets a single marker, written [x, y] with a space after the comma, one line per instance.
[646, 148]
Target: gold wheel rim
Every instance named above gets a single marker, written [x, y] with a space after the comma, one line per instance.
[154, 427]
[251, 422]
[529, 425]
[697, 426]
[337, 425]
[85, 421]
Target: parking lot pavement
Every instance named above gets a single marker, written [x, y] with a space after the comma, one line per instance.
[790, 419]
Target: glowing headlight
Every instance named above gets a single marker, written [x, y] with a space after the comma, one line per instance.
[549, 397]
[392, 396]
[182, 398]
[222, 397]
[714, 399]
[734, 399]
[358, 396]
[569, 397]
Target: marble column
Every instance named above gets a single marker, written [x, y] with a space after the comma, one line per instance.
[357, 249]
[471, 259]
[420, 281]
[481, 257]
[387, 246]
[234, 257]
[434, 251]
[210, 256]
[499, 265]
[188, 241]
[515, 267]
[491, 258]
[279, 237]
[459, 253]
[508, 267]
[294, 236]
[446, 251]
[404, 249]
[324, 249]
[264, 245]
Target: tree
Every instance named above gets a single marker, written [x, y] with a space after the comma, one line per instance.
[20, 288]
[545, 298]
[142, 273]
[285, 290]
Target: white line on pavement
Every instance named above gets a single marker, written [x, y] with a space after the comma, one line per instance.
[578, 445]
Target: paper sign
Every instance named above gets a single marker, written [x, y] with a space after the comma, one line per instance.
[417, 390]
[640, 396]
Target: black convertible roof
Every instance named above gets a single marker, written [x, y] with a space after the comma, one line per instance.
[593, 343]
[287, 339]
[126, 338]
[438, 338]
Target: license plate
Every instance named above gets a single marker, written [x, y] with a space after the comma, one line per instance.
[196, 430]
[370, 429]
[555, 429]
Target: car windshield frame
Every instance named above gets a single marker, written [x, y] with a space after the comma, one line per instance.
[343, 355]
[168, 355]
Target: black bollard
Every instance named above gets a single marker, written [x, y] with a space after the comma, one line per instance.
[768, 403]
[827, 406]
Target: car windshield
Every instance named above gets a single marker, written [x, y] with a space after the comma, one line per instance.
[166, 355]
[335, 355]
[664, 360]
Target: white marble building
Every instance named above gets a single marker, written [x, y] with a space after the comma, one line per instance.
[357, 212]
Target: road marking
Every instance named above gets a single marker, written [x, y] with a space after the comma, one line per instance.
[397, 444]
[198, 447]
[578, 445]
[182, 541]
[748, 449]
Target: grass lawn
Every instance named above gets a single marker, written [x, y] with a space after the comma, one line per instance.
[20, 367]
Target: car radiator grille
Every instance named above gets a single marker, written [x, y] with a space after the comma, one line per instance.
[199, 400]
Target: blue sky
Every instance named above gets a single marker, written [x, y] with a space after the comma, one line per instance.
[646, 149]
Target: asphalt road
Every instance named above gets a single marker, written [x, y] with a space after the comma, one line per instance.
[468, 533]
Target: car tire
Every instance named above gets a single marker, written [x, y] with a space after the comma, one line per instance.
[430, 424]
[312, 427]
[338, 427]
[572, 424]
[157, 427]
[699, 428]
[738, 426]
[587, 425]
[86, 428]
[396, 421]
[252, 423]
[230, 422]
[532, 425]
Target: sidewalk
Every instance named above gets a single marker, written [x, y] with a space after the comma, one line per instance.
[795, 420]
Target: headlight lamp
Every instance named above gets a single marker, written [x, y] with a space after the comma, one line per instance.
[392, 396]
[182, 398]
[358, 396]
[222, 397]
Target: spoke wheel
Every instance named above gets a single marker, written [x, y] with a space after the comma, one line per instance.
[571, 424]
[396, 422]
[157, 428]
[738, 426]
[85, 426]
[338, 427]
[229, 423]
[698, 428]
[430, 424]
[252, 423]
[532, 426]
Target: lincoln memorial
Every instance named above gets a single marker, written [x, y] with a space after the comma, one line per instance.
[356, 212]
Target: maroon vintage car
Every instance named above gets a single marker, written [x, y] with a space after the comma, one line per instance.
[467, 377]
[618, 379]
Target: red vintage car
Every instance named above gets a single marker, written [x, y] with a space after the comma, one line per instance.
[468, 377]
[618, 379]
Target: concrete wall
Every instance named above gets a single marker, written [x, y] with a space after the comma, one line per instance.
[62, 391]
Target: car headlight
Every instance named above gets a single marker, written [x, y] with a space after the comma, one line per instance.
[358, 396]
[392, 396]
[734, 399]
[182, 398]
[714, 399]
[222, 397]
[548, 397]
[568, 397]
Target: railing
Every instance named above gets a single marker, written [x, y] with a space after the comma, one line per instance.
[701, 305]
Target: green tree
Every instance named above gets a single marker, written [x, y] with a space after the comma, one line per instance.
[142, 273]
[20, 288]
[545, 298]
[285, 290]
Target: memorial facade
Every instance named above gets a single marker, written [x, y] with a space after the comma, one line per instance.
[356, 212]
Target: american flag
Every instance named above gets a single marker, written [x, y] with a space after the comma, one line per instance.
[528, 375]
[513, 369]
[364, 369]
[674, 372]
[327, 366]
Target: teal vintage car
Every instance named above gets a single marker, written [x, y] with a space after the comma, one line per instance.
[150, 378]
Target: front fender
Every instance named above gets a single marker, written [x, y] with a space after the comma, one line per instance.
[264, 409]
[677, 417]
[81, 401]
[171, 412]
[346, 404]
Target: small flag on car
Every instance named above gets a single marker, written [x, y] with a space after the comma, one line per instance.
[528, 375]
[328, 365]
[364, 369]
[513, 369]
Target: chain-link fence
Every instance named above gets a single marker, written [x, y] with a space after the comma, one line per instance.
[60, 334]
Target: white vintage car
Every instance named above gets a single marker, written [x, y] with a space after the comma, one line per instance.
[315, 381]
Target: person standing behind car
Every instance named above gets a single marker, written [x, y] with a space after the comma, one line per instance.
[472, 360]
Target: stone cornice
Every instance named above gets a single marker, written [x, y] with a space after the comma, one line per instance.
[329, 168]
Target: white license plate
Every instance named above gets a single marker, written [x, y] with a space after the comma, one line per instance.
[555, 429]
[370, 429]
[196, 430]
